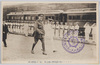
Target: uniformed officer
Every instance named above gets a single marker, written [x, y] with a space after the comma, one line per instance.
[71, 29]
[47, 27]
[53, 28]
[87, 31]
[26, 29]
[57, 30]
[39, 33]
[5, 31]
[76, 29]
[94, 32]
[65, 28]
[52, 36]
[61, 30]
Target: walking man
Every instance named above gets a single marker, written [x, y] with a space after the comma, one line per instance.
[39, 33]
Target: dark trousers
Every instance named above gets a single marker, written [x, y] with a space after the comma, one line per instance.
[4, 41]
[35, 42]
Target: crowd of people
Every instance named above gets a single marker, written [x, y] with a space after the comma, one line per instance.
[51, 30]
[56, 30]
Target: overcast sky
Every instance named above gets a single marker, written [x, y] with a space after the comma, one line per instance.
[12, 3]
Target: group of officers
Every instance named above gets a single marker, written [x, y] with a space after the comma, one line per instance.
[72, 29]
[21, 28]
[51, 30]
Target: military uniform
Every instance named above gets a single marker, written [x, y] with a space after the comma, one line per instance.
[26, 29]
[5, 31]
[39, 34]
[61, 30]
[76, 30]
[87, 31]
[94, 32]
[57, 30]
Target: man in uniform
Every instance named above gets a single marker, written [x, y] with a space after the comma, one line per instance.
[93, 26]
[65, 28]
[76, 29]
[71, 29]
[5, 31]
[39, 33]
[61, 30]
[57, 30]
[87, 31]
[26, 29]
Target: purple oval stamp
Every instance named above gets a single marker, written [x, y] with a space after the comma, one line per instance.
[71, 43]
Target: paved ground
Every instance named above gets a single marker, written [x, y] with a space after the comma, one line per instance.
[19, 49]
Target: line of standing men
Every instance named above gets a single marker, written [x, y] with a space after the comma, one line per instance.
[60, 30]
[39, 31]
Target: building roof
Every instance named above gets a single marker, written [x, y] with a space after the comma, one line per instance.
[36, 12]
[85, 10]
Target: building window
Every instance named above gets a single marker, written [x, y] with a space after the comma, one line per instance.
[29, 18]
[18, 17]
[15, 17]
[22, 18]
[26, 18]
[70, 17]
[46, 17]
[30, 28]
[74, 17]
[52, 17]
[12, 17]
[7, 17]
[78, 17]
[33, 18]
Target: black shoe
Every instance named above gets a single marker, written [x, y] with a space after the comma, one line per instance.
[44, 53]
[54, 51]
[32, 52]
[5, 46]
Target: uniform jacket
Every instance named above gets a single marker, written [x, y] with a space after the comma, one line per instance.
[5, 31]
[39, 29]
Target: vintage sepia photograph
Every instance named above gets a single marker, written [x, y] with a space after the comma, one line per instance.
[50, 32]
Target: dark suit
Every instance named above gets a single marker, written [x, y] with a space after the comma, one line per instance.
[5, 31]
[39, 34]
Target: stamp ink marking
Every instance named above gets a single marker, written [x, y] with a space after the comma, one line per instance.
[71, 43]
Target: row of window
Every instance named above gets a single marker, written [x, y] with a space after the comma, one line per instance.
[64, 18]
[49, 17]
[89, 17]
[27, 17]
[21, 17]
[74, 17]
[83, 17]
